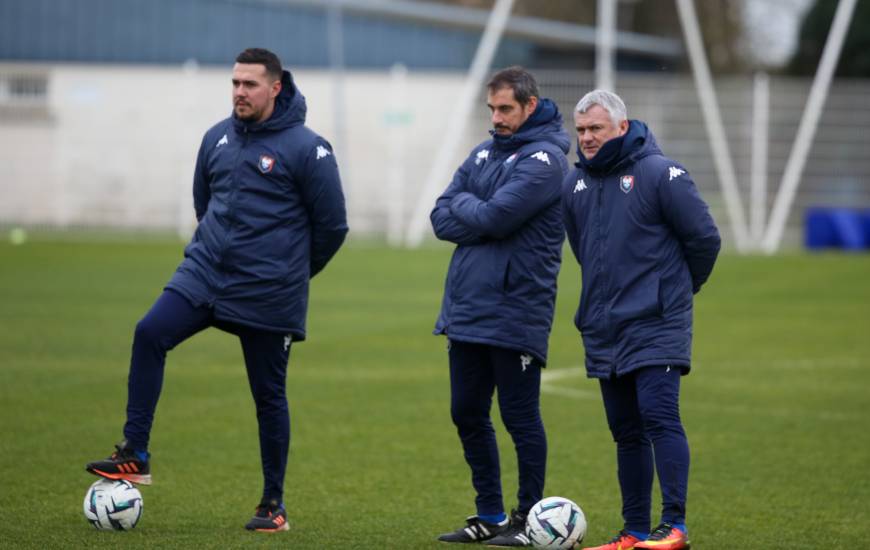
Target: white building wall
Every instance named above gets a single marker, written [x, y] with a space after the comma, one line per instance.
[118, 144]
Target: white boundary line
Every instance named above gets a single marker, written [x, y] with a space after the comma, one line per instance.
[550, 375]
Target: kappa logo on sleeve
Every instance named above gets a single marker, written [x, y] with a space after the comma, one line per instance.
[674, 172]
[542, 156]
[322, 152]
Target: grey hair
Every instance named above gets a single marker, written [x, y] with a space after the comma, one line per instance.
[609, 101]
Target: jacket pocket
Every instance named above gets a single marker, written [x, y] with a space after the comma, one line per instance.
[640, 301]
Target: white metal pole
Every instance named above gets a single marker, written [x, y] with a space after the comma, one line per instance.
[397, 123]
[713, 122]
[335, 36]
[451, 137]
[758, 177]
[605, 39]
[807, 129]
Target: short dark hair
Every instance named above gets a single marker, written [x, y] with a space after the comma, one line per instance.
[519, 80]
[262, 56]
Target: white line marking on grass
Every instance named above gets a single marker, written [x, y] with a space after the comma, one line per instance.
[550, 375]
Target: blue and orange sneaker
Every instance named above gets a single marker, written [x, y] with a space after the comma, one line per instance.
[665, 537]
[270, 517]
[622, 541]
[125, 463]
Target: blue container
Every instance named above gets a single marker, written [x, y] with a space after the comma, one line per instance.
[844, 228]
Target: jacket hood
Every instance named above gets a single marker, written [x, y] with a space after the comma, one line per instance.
[290, 109]
[638, 142]
[544, 124]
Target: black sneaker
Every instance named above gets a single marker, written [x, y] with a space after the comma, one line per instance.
[270, 517]
[514, 535]
[123, 464]
[475, 530]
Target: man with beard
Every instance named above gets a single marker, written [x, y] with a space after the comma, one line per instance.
[268, 199]
[502, 211]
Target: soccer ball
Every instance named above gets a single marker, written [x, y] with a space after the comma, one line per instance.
[113, 505]
[555, 522]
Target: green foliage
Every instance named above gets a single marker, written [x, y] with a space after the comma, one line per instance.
[775, 407]
[854, 60]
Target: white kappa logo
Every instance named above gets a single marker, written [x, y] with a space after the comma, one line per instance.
[223, 141]
[674, 172]
[581, 185]
[481, 156]
[322, 152]
[541, 156]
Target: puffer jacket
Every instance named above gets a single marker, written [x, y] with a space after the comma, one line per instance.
[646, 243]
[271, 215]
[502, 211]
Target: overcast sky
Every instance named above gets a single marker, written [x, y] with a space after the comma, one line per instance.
[772, 27]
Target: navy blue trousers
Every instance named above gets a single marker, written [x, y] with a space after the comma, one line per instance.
[476, 371]
[643, 412]
[170, 321]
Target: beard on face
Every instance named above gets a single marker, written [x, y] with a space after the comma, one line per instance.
[252, 115]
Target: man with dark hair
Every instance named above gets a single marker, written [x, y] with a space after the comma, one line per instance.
[502, 212]
[517, 79]
[260, 56]
[646, 243]
[268, 199]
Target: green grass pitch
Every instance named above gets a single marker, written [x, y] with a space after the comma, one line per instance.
[776, 407]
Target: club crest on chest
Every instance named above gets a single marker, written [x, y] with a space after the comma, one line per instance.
[266, 164]
[626, 183]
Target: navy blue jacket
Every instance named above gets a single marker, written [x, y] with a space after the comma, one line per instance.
[646, 243]
[502, 210]
[271, 215]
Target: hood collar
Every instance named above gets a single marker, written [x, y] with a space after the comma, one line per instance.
[636, 142]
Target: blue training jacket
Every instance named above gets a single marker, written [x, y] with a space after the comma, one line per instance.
[271, 215]
[646, 243]
[502, 211]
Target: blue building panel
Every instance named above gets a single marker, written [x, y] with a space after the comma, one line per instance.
[214, 31]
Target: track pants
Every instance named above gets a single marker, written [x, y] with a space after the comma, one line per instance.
[170, 321]
[476, 371]
[643, 413]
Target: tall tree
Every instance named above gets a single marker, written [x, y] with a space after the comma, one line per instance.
[855, 57]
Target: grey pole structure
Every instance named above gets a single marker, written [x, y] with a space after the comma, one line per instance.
[713, 122]
[809, 122]
[605, 41]
[760, 140]
[458, 121]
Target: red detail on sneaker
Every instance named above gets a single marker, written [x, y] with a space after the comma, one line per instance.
[675, 540]
[622, 541]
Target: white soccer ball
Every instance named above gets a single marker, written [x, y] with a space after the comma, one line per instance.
[113, 505]
[555, 522]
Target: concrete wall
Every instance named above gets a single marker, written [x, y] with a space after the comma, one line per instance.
[116, 145]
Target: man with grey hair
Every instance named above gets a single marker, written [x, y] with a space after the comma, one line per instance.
[646, 243]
